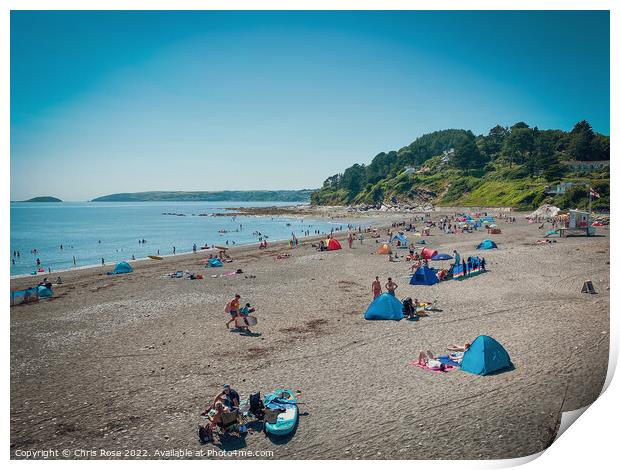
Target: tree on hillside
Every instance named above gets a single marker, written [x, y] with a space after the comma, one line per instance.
[600, 147]
[519, 143]
[354, 179]
[583, 143]
[492, 144]
[467, 156]
[543, 159]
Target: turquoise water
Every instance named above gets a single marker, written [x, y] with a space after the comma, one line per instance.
[90, 231]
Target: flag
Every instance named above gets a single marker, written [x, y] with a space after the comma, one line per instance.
[593, 193]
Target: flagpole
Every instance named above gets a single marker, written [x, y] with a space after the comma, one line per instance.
[589, 210]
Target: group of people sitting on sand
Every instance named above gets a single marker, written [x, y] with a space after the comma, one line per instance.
[227, 414]
[238, 314]
[226, 401]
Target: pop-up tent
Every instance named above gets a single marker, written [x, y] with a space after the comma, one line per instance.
[441, 257]
[215, 263]
[385, 307]
[424, 276]
[428, 253]
[122, 268]
[404, 241]
[384, 249]
[333, 244]
[486, 245]
[485, 356]
[44, 291]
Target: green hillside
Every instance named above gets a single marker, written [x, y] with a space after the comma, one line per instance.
[301, 195]
[44, 199]
[510, 166]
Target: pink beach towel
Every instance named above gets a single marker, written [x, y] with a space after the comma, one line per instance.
[448, 367]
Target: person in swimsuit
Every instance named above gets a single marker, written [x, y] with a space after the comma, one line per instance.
[232, 308]
[376, 287]
[391, 287]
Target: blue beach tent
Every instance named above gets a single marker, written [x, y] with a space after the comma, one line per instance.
[424, 276]
[486, 245]
[44, 291]
[215, 263]
[485, 356]
[122, 268]
[404, 241]
[385, 307]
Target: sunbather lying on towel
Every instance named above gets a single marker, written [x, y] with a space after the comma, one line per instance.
[429, 360]
[456, 353]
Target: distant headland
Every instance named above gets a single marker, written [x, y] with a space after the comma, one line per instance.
[301, 195]
[43, 199]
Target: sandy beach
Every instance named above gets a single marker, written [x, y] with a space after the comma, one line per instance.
[128, 362]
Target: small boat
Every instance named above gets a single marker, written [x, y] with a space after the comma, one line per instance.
[287, 420]
[156, 257]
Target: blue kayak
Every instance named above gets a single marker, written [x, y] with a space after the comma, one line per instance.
[286, 421]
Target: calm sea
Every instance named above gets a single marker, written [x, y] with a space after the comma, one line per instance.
[90, 231]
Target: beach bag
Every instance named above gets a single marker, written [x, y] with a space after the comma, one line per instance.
[203, 435]
[271, 416]
[408, 309]
[257, 407]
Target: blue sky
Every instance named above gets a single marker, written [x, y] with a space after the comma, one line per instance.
[105, 102]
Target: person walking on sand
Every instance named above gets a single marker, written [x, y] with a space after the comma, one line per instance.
[350, 240]
[232, 308]
[376, 287]
[391, 287]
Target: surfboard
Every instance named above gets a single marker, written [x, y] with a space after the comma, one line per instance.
[242, 322]
[156, 257]
[221, 248]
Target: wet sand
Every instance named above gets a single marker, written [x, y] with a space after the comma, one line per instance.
[129, 362]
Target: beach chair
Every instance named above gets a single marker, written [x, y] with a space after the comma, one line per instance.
[231, 423]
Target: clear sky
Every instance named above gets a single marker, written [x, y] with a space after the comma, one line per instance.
[105, 102]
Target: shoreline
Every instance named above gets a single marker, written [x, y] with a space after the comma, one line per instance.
[238, 249]
[374, 218]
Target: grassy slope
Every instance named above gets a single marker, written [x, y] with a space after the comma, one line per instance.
[448, 186]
